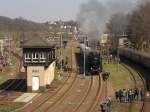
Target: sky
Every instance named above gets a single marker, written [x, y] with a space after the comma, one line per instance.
[41, 10]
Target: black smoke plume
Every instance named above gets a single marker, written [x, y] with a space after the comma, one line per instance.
[94, 15]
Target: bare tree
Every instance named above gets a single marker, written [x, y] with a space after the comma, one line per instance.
[139, 27]
[117, 24]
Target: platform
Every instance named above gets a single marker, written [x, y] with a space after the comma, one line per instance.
[26, 97]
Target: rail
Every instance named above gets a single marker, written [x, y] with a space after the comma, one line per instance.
[135, 81]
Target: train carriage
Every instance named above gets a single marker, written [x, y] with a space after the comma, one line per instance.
[135, 56]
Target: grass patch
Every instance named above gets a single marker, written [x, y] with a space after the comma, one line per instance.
[10, 107]
[5, 74]
[56, 77]
[15, 61]
[136, 107]
[120, 107]
[125, 107]
[64, 53]
[121, 79]
[119, 76]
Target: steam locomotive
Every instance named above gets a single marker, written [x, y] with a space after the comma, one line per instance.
[93, 59]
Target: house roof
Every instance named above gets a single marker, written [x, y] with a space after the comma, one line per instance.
[37, 42]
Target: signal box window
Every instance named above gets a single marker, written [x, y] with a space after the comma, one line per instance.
[27, 57]
[35, 57]
[42, 57]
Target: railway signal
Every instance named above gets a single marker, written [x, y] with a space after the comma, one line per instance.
[105, 75]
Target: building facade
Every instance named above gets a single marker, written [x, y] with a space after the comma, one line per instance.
[104, 39]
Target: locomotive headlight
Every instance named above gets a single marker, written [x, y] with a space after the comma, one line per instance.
[147, 94]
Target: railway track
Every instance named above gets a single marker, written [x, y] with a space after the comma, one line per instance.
[5, 92]
[73, 101]
[91, 103]
[38, 103]
[12, 84]
[74, 96]
[58, 98]
[135, 84]
[16, 72]
[84, 98]
[95, 105]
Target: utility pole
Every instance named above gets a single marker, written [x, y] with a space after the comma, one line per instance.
[84, 56]
[9, 50]
[71, 58]
[2, 43]
[118, 58]
[61, 49]
[117, 48]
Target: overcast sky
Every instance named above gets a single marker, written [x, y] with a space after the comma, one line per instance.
[41, 10]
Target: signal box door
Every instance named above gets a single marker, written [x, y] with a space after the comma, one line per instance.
[35, 83]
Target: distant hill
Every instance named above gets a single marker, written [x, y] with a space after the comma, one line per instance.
[20, 24]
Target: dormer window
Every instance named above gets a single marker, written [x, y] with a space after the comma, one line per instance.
[27, 57]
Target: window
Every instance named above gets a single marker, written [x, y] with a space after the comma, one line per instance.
[50, 55]
[53, 54]
[42, 57]
[27, 57]
[35, 57]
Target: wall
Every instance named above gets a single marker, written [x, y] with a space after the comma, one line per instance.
[46, 75]
[35, 71]
[49, 73]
